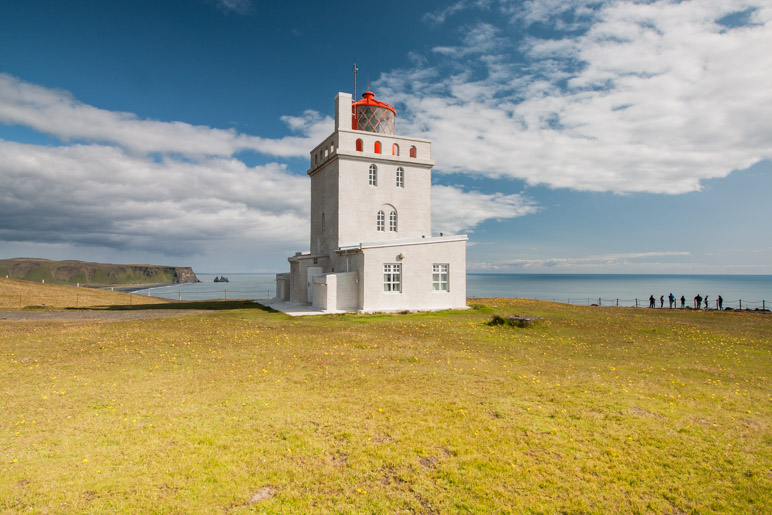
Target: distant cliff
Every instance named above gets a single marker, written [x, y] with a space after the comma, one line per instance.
[93, 274]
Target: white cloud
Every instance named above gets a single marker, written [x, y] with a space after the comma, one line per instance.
[646, 97]
[59, 114]
[169, 188]
[455, 210]
[102, 195]
[586, 264]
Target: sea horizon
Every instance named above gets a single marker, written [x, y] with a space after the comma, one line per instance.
[737, 290]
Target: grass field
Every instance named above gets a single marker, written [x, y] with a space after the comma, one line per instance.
[591, 410]
[16, 294]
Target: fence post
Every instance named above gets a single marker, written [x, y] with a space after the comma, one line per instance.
[763, 304]
[741, 303]
[179, 296]
[636, 302]
[617, 302]
[598, 301]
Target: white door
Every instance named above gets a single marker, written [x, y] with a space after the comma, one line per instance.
[311, 271]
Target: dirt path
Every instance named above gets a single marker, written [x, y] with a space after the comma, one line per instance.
[94, 316]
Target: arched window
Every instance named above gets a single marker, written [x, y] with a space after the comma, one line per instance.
[400, 177]
[380, 222]
[395, 149]
[373, 175]
[393, 221]
[360, 145]
[413, 152]
[377, 147]
[332, 147]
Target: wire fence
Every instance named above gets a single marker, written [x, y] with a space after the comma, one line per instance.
[223, 294]
[739, 304]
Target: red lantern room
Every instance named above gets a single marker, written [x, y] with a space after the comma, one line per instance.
[373, 116]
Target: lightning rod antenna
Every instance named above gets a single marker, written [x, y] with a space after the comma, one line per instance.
[355, 79]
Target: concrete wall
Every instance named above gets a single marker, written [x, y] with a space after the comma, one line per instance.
[321, 293]
[347, 291]
[360, 202]
[417, 292]
[299, 264]
[324, 206]
[283, 287]
[336, 292]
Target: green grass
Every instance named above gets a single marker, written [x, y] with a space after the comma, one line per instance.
[590, 410]
[16, 294]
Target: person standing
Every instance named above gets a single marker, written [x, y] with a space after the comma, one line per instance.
[662, 301]
[706, 302]
[671, 299]
[720, 303]
[698, 301]
[683, 302]
[651, 301]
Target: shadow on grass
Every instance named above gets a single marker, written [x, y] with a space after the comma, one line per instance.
[210, 305]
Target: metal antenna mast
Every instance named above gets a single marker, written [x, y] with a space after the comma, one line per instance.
[355, 80]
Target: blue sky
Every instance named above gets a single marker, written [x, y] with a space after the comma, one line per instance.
[570, 136]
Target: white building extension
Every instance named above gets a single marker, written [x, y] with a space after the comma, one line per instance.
[371, 242]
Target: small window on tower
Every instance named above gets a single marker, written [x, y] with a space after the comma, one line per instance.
[413, 152]
[400, 177]
[373, 175]
[380, 222]
[395, 149]
[393, 221]
[360, 145]
[377, 147]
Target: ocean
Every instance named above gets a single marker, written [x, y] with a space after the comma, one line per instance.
[746, 291]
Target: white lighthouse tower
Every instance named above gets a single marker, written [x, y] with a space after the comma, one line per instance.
[371, 245]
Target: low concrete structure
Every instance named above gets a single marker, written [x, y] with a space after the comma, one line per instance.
[371, 246]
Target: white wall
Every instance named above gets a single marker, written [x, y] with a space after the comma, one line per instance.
[417, 292]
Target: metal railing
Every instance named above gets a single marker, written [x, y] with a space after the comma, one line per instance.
[738, 304]
[224, 294]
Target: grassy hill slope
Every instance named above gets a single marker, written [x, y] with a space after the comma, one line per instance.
[20, 294]
[92, 274]
[593, 410]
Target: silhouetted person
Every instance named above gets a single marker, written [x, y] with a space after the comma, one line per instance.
[651, 301]
[698, 301]
[662, 301]
[706, 302]
[683, 302]
[720, 303]
[671, 299]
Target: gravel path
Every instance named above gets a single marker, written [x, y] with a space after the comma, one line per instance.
[95, 316]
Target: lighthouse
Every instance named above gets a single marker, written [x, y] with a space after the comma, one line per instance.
[371, 245]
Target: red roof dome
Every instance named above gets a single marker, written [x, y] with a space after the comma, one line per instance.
[372, 115]
[368, 99]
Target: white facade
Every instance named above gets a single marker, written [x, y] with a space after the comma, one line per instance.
[371, 246]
